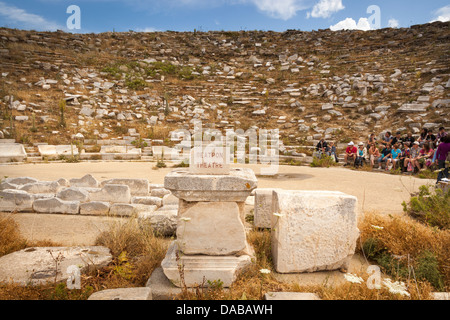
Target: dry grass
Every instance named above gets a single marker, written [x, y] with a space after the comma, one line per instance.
[406, 238]
[136, 253]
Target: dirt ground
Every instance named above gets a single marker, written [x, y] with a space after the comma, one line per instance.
[375, 191]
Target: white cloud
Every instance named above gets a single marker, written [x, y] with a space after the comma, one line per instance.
[148, 29]
[20, 18]
[280, 9]
[350, 24]
[442, 14]
[325, 8]
[393, 23]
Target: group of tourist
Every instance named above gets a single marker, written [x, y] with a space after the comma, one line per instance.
[404, 153]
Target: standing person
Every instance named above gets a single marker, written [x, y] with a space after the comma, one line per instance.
[361, 155]
[350, 153]
[441, 134]
[374, 154]
[442, 153]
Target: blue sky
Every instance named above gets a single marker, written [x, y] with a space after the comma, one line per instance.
[231, 15]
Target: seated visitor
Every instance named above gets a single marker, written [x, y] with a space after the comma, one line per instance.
[374, 154]
[395, 157]
[350, 153]
[361, 155]
[385, 154]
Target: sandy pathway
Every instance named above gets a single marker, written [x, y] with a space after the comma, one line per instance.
[375, 191]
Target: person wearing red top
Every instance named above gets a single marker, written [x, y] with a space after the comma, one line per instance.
[350, 153]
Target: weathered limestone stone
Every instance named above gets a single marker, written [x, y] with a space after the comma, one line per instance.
[291, 296]
[53, 152]
[210, 228]
[73, 194]
[123, 294]
[263, 208]
[88, 181]
[313, 230]
[42, 187]
[236, 186]
[12, 152]
[114, 193]
[150, 201]
[21, 180]
[15, 200]
[163, 221]
[170, 200]
[161, 192]
[128, 210]
[95, 208]
[55, 205]
[37, 266]
[138, 187]
[199, 269]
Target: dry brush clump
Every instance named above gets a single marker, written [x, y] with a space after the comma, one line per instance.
[407, 249]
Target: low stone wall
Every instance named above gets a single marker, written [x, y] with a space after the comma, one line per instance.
[88, 196]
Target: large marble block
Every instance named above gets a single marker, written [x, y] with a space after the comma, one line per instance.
[199, 269]
[313, 230]
[236, 186]
[210, 228]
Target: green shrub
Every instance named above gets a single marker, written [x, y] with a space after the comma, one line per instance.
[324, 161]
[428, 269]
[432, 208]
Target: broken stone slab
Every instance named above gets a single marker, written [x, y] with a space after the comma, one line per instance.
[35, 266]
[162, 288]
[291, 296]
[235, 186]
[8, 186]
[114, 193]
[73, 194]
[95, 208]
[159, 192]
[199, 269]
[88, 181]
[263, 207]
[42, 187]
[163, 221]
[55, 205]
[313, 230]
[210, 228]
[12, 152]
[129, 210]
[413, 107]
[123, 294]
[170, 200]
[53, 152]
[150, 201]
[21, 180]
[138, 187]
[12, 200]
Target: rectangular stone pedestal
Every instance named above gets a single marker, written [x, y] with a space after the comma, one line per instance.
[199, 269]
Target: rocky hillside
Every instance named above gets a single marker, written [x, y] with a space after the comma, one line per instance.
[57, 87]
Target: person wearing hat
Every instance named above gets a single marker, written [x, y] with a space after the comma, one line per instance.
[350, 153]
[361, 155]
